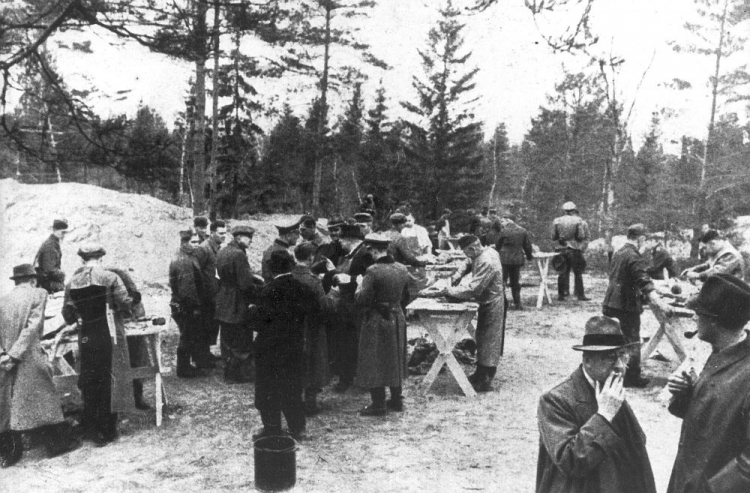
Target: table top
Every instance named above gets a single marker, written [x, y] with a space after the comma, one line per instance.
[545, 254]
[442, 305]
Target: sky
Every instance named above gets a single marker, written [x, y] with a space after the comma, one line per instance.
[517, 70]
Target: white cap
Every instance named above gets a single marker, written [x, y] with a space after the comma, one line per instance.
[569, 206]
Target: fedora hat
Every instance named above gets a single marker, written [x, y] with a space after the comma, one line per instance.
[377, 240]
[243, 230]
[351, 231]
[23, 271]
[602, 334]
[724, 297]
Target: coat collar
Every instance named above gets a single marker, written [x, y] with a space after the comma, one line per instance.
[236, 244]
[584, 390]
[729, 356]
[632, 247]
[385, 260]
[281, 242]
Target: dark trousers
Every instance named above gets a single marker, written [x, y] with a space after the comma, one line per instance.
[209, 329]
[274, 397]
[238, 340]
[630, 324]
[344, 344]
[512, 273]
[97, 418]
[190, 326]
[573, 262]
[377, 394]
[95, 382]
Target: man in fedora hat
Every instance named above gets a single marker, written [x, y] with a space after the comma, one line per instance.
[288, 236]
[629, 284]
[238, 287]
[48, 261]
[28, 398]
[98, 299]
[714, 451]
[589, 438]
[571, 234]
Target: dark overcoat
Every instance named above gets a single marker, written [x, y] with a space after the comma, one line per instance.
[48, 263]
[186, 279]
[316, 342]
[27, 393]
[714, 452]
[514, 245]
[279, 348]
[208, 267]
[382, 340]
[100, 358]
[628, 280]
[236, 286]
[581, 452]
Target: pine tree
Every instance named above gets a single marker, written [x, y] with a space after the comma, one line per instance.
[444, 141]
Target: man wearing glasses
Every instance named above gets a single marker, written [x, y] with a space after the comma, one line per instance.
[589, 438]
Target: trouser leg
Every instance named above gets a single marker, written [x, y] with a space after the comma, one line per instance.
[563, 281]
[293, 407]
[377, 394]
[268, 400]
[57, 438]
[578, 267]
[11, 447]
[630, 324]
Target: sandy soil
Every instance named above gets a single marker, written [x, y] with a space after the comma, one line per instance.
[442, 442]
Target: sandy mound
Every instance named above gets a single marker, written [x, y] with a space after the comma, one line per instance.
[139, 232]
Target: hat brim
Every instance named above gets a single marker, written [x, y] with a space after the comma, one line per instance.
[23, 276]
[582, 347]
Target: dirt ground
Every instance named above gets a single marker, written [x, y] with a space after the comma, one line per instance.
[441, 442]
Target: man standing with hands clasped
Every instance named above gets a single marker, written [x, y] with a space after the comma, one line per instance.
[714, 451]
[590, 440]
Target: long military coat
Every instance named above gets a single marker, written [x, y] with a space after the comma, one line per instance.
[236, 286]
[488, 289]
[581, 452]
[715, 439]
[27, 393]
[382, 339]
[100, 357]
[316, 342]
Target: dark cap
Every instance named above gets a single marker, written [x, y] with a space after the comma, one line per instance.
[467, 240]
[398, 218]
[724, 297]
[335, 221]
[200, 222]
[243, 230]
[91, 250]
[711, 234]
[186, 234]
[363, 217]
[305, 250]
[351, 231]
[23, 271]
[636, 230]
[377, 240]
[284, 230]
[59, 224]
[602, 334]
[308, 222]
[281, 262]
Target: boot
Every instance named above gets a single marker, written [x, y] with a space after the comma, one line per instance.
[517, 298]
[60, 440]
[396, 402]
[311, 402]
[478, 375]
[11, 448]
[184, 368]
[377, 408]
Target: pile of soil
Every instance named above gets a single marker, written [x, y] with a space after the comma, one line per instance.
[139, 232]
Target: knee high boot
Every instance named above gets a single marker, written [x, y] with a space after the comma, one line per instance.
[11, 448]
[396, 402]
[377, 408]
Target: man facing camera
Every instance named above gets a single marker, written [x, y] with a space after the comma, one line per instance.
[589, 438]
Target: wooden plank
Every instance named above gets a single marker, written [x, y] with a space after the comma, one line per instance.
[460, 376]
[437, 365]
[436, 305]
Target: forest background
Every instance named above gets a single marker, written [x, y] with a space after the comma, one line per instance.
[243, 143]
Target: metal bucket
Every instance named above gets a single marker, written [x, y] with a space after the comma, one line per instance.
[275, 463]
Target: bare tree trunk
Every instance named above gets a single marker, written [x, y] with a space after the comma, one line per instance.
[199, 145]
[714, 94]
[494, 169]
[318, 175]
[214, 165]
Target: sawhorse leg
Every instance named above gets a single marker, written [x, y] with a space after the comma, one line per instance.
[543, 266]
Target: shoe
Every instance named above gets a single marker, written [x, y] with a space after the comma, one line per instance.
[583, 298]
[395, 404]
[11, 459]
[300, 436]
[311, 408]
[484, 385]
[101, 439]
[473, 378]
[373, 410]
[267, 432]
[72, 444]
[638, 382]
[561, 297]
[188, 372]
[341, 387]
[519, 307]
